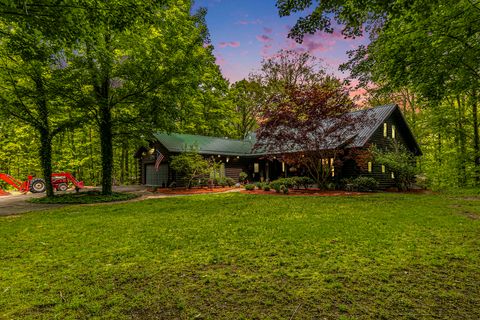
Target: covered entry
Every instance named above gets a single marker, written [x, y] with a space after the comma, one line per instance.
[154, 177]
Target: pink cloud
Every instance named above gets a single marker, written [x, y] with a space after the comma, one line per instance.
[264, 38]
[233, 44]
[245, 22]
[267, 30]
[265, 52]
[220, 60]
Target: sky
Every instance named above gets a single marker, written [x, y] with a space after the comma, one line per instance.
[243, 32]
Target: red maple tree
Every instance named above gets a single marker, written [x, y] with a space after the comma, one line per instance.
[309, 127]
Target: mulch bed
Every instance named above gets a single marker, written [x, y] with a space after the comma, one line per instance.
[4, 193]
[191, 191]
[307, 192]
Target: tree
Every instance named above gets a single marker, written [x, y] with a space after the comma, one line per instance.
[309, 128]
[288, 68]
[32, 74]
[398, 160]
[247, 96]
[191, 165]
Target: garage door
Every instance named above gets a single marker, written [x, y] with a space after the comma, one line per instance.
[154, 177]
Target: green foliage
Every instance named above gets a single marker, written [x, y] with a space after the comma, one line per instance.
[191, 165]
[242, 176]
[361, 184]
[250, 187]
[293, 182]
[84, 198]
[399, 161]
[266, 187]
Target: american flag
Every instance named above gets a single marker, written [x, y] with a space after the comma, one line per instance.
[160, 157]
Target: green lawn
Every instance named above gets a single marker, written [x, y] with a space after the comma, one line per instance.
[237, 256]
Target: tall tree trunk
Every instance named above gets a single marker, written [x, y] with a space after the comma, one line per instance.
[462, 147]
[127, 166]
[43, 128]
[106, 144]
[476, 142]
[46, 160]
[92, 163]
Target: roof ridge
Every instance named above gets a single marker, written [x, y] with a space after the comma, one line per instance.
[200, 135]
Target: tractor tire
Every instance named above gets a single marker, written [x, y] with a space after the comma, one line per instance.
[62, 187]
[37, 185]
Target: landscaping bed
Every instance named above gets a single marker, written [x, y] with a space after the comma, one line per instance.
[84, 198]
[4, 193]
[180, 191]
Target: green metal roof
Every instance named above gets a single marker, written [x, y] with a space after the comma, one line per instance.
[176, 142]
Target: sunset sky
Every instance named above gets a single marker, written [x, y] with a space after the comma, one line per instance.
[243, 32]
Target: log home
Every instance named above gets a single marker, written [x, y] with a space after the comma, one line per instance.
[385, 124]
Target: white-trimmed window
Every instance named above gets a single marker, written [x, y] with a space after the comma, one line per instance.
[369, 164]
[385, 129]
[256, 167]
[393, 131]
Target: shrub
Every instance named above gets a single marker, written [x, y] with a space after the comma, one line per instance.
[276, 186]
[249, 187]
[266, 187]
[189, 164]
[399, 161]
[294, 182]
[230, 182]
[303, 181]
[259, 185]
[242, 177]
[364, 184]
[285, 190]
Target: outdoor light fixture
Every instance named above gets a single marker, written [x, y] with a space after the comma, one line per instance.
[238, 157]
[219, 156]
[228, 159]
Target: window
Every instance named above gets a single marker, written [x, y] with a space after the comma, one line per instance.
[385, 130]
[369, 166]
[393, 131]
[256, 168]
[383, 168]
[283, 166]
[333, 171]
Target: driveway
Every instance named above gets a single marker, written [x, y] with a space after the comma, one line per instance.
[17, 203]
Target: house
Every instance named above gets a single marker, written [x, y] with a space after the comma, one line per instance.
[386, 123]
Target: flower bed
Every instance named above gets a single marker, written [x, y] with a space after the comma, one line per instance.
[192, 190]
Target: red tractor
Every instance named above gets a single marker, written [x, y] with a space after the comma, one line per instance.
[60, 182]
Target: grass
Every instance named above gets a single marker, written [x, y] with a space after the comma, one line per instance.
[84, 198]
[239, 256]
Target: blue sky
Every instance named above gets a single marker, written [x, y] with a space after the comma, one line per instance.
[243, 32]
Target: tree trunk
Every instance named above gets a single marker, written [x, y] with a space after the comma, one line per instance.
[476, 142]
[462, 179]
[43, 128]
[46, 160]
[106, 148]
